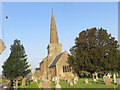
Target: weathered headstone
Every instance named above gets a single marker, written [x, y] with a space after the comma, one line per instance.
[46, 84]
[56, 78]
[40, 84]
[93, 75]
[95, 80]
[108, 80]
[43, 78]
[114, 78]
[69, 80]
[16, 83]
[23, 81]
[104, 78]
[75, 82]
[53, 78]
[118, 81]
[108, 75]
[86, 81]
[58, 85]
[71, 83]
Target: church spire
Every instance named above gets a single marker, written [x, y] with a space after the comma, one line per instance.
[53, 30]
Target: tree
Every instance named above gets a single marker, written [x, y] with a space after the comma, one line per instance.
[94, 51]
[16, 64]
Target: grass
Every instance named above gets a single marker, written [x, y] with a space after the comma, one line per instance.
[80, 84]
[30, 85]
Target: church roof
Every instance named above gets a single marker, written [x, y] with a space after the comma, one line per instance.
[55, 60]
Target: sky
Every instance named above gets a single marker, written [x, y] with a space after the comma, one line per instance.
[30, 23]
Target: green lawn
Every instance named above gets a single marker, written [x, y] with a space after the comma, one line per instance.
[80, 84]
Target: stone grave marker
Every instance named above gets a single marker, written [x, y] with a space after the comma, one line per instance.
[16, 83]
[94, 80]
[46, 84]
[58, 85]
[23, 81]
[118, 81]
[86, 81]
[108, 75]
[71, 83]
[69, 80]
[53, 78]
[114, 78]
[108, 80]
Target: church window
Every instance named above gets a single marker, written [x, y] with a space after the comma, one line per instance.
[66, 69]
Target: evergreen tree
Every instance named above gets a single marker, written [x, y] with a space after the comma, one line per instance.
[16, 64]
[94, 50]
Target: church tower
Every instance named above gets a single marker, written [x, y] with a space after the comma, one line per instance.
[54, 48]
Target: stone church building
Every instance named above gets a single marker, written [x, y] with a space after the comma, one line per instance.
[55, 64]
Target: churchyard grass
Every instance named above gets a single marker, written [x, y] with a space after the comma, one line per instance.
[81, 84]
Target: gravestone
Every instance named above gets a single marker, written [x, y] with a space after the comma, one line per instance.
[40, 84]
[108, 75]
[108, 80]
[114, 78]
[93, 75]
[56, 78]
[23, 81]
[57, 81]
[58, 85]
[53, 78]
[16, 83]
[69, 80]
[71, 83]
[46, 84]
[94, 80]
[86, 81]
[118, 81]
[104, 78]
[75, 82]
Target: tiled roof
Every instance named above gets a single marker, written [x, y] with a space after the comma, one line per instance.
[55, 60]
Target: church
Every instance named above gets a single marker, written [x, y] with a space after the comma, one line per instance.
[56, 63]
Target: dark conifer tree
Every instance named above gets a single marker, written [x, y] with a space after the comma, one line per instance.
[16, 64]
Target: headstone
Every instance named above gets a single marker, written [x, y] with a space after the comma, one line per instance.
[75, 82]
[114, 78]
[118, 81]
[95, 80]
[86, 81]
[46, 84]
[23, 81]
[93, 76]
[58, 85]
[104, 78]
[43, 78]
[40, 84]
[53, 78]
[108, 80]
[96, 74]
[71, 83]
[108, 75]
[69, 80]
[57, 81]
[16, 83]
